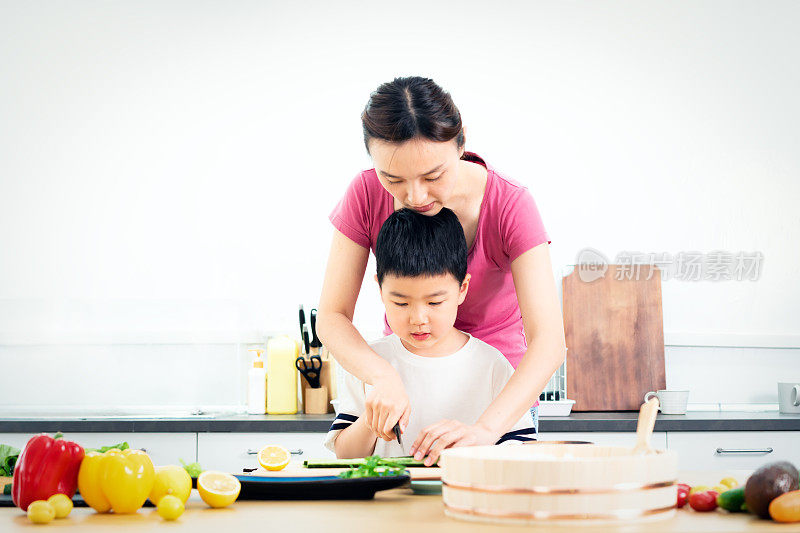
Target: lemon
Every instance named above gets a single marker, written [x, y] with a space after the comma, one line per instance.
[699, 488]
[41, 512]
[171, 479]
[272, 457]
[170, 507]
[729, 482]
[218, 489]
[61, 503]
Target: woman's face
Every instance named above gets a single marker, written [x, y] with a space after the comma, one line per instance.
[419, 173]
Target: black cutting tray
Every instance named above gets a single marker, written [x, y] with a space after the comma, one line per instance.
[317, 487]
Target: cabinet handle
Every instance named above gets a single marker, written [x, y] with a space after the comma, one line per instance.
[299, 451]
[721, 451]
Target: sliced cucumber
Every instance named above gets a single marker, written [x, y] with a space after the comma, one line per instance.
[407, 461]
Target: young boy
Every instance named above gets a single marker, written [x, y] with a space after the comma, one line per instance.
[448, 374]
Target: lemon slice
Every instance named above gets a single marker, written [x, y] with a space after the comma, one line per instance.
[273, 457]
[218, 489]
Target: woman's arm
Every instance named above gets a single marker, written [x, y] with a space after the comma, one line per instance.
[356, 440]
[387, 402]
[544, 330]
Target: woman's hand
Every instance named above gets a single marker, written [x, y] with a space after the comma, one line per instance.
[386, 405]
[449, 434]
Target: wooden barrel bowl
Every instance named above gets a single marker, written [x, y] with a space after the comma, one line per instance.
[566, 484]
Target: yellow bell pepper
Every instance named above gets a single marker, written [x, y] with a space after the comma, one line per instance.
[118, 480]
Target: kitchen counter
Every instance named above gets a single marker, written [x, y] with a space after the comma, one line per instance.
[226, 423]
[395, 510]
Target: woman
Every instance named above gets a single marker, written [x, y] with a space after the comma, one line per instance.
[414, 134]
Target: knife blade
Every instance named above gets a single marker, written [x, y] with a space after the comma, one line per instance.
[396, 430]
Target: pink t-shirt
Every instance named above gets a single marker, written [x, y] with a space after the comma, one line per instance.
[508, 225]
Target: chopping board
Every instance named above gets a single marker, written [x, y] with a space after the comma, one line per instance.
[615, 337]
[296, 469]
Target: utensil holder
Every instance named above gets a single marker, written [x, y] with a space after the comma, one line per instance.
[315, 401]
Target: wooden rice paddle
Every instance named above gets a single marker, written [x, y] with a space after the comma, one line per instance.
[644, 429]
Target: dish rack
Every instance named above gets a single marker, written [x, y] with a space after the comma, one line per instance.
[553, 399]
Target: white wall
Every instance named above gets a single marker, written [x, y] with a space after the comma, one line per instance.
[166, 168]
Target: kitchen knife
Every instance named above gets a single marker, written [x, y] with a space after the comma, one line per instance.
[305, 338]
[315, 342]
[302, 315]
[396, 430]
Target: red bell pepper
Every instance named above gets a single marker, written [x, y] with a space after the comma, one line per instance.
[45, 467]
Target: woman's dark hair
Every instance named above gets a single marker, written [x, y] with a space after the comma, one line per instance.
[411, 107]
[411, 244]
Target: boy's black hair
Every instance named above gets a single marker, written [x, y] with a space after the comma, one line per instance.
[411, 244]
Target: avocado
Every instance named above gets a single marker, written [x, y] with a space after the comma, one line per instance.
[767, 483]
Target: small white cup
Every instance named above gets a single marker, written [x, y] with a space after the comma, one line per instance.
[670, 402]
[789, 397]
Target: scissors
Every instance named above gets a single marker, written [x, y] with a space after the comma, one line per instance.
[310, 369]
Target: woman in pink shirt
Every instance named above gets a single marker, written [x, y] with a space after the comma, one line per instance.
[414, 134]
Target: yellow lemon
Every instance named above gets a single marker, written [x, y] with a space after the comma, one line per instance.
[41, 512]
[61, 504]
[218, 489]
[273, 457]
[170, 507]
[729, 482]
[699, 488]
[171, 479]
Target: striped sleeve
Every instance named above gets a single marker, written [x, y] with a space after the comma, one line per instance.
[350, 407]
[519, 435]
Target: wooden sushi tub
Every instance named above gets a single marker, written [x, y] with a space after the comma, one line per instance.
[558, 483]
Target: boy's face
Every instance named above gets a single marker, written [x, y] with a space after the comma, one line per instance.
[422, 310]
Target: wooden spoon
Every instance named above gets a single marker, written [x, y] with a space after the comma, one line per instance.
[644, 429]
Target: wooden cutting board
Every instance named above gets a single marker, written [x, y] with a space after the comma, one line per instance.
[615, 337]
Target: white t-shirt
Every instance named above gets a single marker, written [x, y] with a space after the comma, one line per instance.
[459, 387]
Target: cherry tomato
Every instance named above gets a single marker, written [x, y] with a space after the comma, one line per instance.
[683, 496]
[703, 502]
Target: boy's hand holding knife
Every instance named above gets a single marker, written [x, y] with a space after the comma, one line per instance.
[387, 408]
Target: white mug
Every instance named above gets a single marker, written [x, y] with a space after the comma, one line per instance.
[789, 397]
[670, 402]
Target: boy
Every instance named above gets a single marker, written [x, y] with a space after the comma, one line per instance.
[448, 374]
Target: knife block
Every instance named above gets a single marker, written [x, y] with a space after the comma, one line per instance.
[315, 401]
[327, 379]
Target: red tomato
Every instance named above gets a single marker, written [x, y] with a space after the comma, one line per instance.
[683, 497]
[683, 494]
[703, 501]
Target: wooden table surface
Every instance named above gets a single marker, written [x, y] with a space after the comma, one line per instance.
[391, 511]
